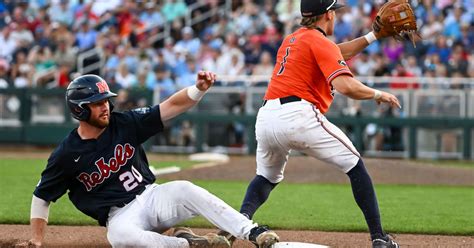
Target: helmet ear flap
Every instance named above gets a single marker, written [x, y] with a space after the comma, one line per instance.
[81, 113]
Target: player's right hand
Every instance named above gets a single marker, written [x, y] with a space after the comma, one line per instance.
[205, 79]
[390, 99]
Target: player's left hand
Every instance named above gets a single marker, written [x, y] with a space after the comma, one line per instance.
[28, 244]
[205, 79]
[390, 99]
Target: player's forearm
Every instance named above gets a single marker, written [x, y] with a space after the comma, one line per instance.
[38, 228]
[38, 219]
[352, 88]
[177, 104]
[361, 92]
[351, 48]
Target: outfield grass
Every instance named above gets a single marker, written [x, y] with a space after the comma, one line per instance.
[405, 209]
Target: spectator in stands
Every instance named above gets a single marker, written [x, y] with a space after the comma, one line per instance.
[5, 80]
[271, 41]
[84, 14]
[342, 28]
[253, 51]
[65, 54]
[265, 67]
[231, 63]
[61, 12]
[173, 9]
[209, 63]
[467, 35]
[152, 16]
[63, 75]
[189, 43]
[458, 61]
[411, 65]
[114, 58]
[452, 24]
[167, 52]
[400, 71]
[441, 48]
[188, 77]
[20, 67]
[21, 34]
[7, 43]
[60, 32]
[42, 60]
[431, 29]
[86, 37]
[162, 81]
[124, 77]
[393, 50]
[363, 64]
[287, 10]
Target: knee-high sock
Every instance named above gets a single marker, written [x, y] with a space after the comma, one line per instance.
[365, 197]
[257, 193]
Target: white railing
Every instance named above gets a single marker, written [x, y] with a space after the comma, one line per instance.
[82, 69]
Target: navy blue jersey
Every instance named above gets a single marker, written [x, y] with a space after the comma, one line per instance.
[104, 172]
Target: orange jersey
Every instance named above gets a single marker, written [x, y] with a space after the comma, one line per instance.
[306, 64]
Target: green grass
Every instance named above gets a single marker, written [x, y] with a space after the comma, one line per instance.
[405, 209]
[181, 164]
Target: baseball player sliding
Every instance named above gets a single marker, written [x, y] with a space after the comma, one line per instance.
[104, 169]
[309, 69]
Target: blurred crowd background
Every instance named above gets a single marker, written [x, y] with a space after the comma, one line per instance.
[152, 45]
[41, 39]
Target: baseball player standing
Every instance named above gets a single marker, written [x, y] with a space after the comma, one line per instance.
[104, 169]
[309, 69]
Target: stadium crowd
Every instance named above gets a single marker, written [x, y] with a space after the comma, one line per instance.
[40, 40]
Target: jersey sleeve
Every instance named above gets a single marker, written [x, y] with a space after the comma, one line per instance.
[148, 122]
[54, 179]
[330, 60]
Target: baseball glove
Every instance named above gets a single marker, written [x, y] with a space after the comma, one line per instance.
[396, 18]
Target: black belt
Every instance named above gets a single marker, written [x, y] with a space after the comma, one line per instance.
[285, 100]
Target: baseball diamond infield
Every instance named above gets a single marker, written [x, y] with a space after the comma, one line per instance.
[299, 169]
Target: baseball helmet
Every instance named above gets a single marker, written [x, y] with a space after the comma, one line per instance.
[84, 90]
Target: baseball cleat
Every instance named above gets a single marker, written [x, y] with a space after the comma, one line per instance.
[263, 237]
[210, 240]
[380, 243]
[228, 236]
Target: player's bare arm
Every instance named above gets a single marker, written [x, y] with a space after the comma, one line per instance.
[188, 97]
[38, 222]
[351, 48]
[354, 89]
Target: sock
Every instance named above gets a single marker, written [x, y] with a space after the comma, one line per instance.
[365, 197]
[257, 193]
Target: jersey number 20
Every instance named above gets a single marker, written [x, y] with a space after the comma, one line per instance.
[131, 179]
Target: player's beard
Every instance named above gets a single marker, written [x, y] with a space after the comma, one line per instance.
[100, 122]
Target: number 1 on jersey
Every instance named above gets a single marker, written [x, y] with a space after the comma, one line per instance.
[282, 64]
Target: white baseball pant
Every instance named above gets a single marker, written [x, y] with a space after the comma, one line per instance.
[160, 207]
[298, 125]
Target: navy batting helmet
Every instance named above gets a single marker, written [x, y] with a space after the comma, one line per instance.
[84, 90]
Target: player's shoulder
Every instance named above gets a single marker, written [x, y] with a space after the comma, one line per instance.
[315, 37]
[133, 113]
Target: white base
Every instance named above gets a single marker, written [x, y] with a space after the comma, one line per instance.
[297, 245]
